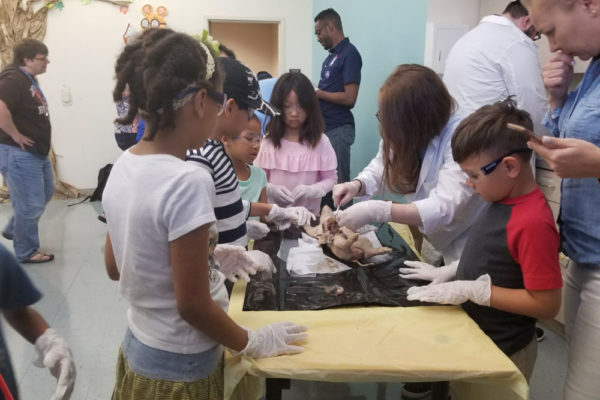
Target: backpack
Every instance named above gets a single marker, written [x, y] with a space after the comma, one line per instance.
[103, 175]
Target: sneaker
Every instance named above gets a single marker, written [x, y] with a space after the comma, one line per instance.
[416, 390]
[539, 333]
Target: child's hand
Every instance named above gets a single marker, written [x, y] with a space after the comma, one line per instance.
[274, 339]
[234, 262]
[284, 217]
[278, 194]
[457, 292]
[54, 354]
[426, 272]
[256, 230]
[301, 192]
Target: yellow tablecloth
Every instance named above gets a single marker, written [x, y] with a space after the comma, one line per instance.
[379, 344]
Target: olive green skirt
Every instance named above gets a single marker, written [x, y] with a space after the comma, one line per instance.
[131, 386]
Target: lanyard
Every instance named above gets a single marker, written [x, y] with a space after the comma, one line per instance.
[40, 96]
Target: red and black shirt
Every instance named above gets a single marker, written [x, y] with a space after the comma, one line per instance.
[516, 242]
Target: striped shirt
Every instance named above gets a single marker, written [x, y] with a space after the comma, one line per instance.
[230, 211]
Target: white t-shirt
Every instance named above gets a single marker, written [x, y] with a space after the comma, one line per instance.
[493, 61]
[149, 201]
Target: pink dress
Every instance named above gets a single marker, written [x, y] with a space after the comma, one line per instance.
[295, 164]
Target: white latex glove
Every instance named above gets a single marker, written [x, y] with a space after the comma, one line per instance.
[284, 217]
[256, 230]
[234, 262]
[261, 261]
[427, 272]
[456, 292]
[364, 213]
[279, 194]
[54, 354]
[344, 192]
[273, 340]
[315, 191]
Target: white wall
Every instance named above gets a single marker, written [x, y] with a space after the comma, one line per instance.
[84, 41]
[454, 11]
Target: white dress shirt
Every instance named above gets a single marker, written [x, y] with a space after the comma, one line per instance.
[447, 206]
[493, 61]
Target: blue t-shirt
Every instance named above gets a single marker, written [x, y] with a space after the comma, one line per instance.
[16, 291]
[340, 68]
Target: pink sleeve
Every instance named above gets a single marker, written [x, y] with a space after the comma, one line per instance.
[327, 179]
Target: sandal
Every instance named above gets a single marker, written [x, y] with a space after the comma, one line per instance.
[38, 257]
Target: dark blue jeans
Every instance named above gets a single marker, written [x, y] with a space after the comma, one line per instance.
[341, 139]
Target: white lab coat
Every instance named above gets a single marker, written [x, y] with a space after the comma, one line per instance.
[447, 206]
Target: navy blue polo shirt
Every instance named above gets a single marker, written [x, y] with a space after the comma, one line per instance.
[340, 68]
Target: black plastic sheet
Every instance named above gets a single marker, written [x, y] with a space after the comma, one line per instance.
[377, 284]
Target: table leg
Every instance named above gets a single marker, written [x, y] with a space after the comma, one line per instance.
[440, 390]
[275, 386]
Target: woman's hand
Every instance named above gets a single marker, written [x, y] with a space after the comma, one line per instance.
[569, 158]
[344, 192]
[557, 74]
[364, 213]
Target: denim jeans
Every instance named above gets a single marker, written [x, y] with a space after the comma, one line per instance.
[341, 139]
[29, 179]
[582, 325]
[164, 365]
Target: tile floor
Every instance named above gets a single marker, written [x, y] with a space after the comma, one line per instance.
[83, 305]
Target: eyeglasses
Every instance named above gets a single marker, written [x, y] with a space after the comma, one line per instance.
[533, 33]
[489, 168]
[43, 59]
[288, 108]
[249, 139]
[219, 97]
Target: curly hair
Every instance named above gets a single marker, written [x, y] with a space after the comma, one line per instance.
[313, 127]
[157, 66]
[414, 107]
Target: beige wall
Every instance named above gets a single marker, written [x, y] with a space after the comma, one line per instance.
[255, 43]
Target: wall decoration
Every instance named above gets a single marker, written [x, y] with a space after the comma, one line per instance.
[153, 19]
[129, 32]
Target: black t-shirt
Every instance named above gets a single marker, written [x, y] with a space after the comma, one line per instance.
[28, 108]
[16, 291]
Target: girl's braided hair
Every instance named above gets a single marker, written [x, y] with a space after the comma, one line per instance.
[157, 66]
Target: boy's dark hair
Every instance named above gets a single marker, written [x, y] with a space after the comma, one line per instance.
[28, 48]
[227, 51]
[515, 9]
[158, 65]
[414, 108]
[332, 16]
[485, 131]
[313, 127]
[260, 75]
